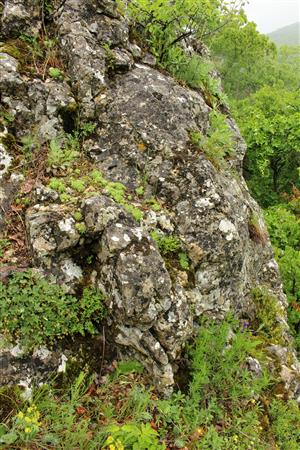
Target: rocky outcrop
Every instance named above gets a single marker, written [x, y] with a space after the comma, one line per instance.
[142, 123]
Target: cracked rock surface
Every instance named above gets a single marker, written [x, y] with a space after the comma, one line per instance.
[143, 119]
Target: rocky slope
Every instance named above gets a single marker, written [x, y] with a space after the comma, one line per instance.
[140, 137]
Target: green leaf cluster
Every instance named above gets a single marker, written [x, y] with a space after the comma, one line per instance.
[36, 312]
[284, 229]
[269, 121]
[133, 436]
[218, 144]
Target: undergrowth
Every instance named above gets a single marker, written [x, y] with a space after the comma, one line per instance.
[225, 406]
[35, 312]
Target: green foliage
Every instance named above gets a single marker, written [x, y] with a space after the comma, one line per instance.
[34, 311]
[243, 57]
[284, 232]
[37, 52]
[286, 424]
[63, 154]
[78, 216]
[30, 143]
[225, 406]
[128, 366]
[166, 25]
[80, 227]
[268, 315]
[166, 244]
[55, 73]
[283, 226]
[134, 211]
[86, 129]
[57, 184]
[65, 198]
[4, 244]
[133, 437]
[98, 178]
[153, 204]
[218, 144]
[116, 191]
[269, 121]
[219, 378]
[140, 191]
[78, 185]
[184, 261]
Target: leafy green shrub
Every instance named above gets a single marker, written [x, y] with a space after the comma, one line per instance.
[284, 229]
[34, 311]
[269, 122]
[283, 226]
[164, 25]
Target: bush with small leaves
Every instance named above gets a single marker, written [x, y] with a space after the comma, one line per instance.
[36, 312]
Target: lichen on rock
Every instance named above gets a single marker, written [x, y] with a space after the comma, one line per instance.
[142, 121]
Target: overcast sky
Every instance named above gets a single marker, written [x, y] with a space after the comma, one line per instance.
[272, 14]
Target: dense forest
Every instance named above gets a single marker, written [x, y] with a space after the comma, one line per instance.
[208, 46]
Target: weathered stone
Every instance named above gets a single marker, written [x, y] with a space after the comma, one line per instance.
[143, 122]
[21, 16]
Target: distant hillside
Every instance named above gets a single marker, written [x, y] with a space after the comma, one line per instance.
[289, 35]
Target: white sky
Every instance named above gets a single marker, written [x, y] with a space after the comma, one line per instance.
[272, 14]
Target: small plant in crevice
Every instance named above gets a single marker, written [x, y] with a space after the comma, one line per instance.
[184, 261]
[256, 231]
[80, 227]
[39, 55]
[268, 315]
[218, 144]
[153, 204]
[36, 312]
[166, 244]
[63, 152]
[55, 73]
[170, 246]
[30, 144]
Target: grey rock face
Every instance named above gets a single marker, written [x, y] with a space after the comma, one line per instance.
[144, 120]
[21, 16]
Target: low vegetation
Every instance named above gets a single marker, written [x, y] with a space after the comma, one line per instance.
[223, 406]
[35, 312]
